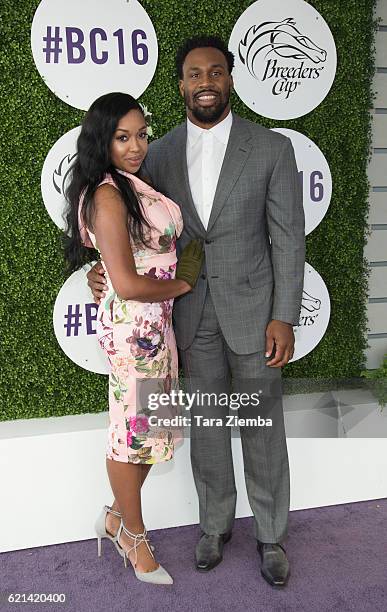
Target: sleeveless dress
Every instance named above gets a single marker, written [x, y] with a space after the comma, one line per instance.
[139, 341]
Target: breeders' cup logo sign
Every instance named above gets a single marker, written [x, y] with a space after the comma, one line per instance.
[75, 319]
[315, 177]
[55, 173]
[284, 65]
[85, 49]
[314, 314]
[283, 40]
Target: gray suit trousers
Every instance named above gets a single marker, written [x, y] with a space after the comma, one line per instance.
[210, 366]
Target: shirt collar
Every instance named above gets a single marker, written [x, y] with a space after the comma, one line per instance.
[221, 130]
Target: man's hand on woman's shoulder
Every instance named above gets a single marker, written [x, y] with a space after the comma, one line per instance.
[97, 282]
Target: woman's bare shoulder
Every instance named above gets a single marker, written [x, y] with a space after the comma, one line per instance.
[107, 192]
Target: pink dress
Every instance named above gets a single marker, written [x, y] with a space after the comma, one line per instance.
[139, 341]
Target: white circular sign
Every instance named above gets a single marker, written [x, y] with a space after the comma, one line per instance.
[54, 174]
[315, 177]
[83, 49]
[75, 317]
[285, 58]
[314, 315]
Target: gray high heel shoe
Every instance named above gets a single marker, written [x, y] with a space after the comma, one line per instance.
[100, 528]
[159, 575]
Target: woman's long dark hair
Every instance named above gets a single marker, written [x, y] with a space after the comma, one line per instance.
[92, 163]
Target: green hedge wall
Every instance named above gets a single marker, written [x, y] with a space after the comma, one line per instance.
[37, 379]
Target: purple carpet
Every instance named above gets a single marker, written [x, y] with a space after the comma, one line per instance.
[338, 558]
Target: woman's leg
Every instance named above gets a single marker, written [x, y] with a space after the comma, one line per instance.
[126, 480]
[112, 521]
[145, 469]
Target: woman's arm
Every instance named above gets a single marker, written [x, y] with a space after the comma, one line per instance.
[110, 228]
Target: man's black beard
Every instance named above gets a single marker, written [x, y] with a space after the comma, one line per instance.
[208, 114]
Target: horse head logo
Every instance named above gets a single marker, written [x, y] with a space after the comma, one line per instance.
[310, 303]
[280, 38]
[60, 174]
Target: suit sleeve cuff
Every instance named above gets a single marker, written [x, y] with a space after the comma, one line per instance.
[285, 318]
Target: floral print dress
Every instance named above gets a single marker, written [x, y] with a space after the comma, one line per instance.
[139, 341]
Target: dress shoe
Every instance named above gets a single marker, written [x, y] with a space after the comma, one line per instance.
[209, 551]
[275, 566]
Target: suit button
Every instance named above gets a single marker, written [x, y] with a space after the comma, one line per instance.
[204, 277]
[208, 241]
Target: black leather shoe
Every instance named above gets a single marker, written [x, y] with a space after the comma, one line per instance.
[275, 566]
[209, 551]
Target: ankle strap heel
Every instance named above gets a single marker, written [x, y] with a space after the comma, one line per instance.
[100, 527]
[157, 576]
[138, 538]
[110, 509]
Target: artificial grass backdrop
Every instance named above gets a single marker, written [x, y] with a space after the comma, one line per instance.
[38, 380]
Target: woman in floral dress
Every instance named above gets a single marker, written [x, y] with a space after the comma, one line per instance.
[135, 229]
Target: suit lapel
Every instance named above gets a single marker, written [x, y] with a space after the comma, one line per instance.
[179, 157]
[237, 151]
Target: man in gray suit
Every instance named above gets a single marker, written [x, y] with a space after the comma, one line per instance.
[238, 188]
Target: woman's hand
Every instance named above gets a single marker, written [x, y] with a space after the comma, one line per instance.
[190, 262]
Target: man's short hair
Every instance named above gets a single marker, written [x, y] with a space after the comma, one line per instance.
[202, 41]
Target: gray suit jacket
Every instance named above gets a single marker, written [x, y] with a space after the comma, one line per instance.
[252, 278]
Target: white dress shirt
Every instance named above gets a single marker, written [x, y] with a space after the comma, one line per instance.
[205, 154]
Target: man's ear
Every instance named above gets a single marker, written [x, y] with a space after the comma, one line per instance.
[231, 83]
[181, 87]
